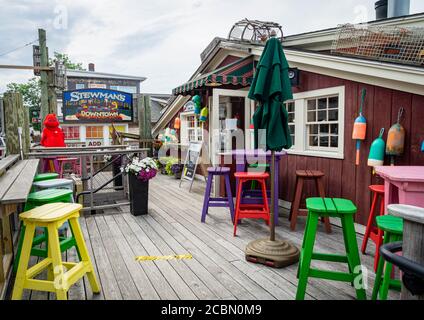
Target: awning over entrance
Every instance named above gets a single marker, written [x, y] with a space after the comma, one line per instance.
[237, 73]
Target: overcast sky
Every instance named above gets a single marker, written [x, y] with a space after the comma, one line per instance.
[162, 39]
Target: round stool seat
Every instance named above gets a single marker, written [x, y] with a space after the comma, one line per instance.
[251, 175]
[219, 170]
[377, 189]
[46, 176]
[309, 174]
[48, 195]
[390, 224]
[56, 183]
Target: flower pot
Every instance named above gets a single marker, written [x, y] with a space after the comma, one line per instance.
[139, 196]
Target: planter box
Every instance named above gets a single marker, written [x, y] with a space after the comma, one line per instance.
[139, 196]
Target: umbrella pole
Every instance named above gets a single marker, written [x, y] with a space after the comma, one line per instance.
[272, 213]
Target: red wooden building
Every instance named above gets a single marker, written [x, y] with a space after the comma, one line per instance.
[325, 105]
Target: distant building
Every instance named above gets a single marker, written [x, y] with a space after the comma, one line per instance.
[97, 131]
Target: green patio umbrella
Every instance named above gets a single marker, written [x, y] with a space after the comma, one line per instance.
[271, 87]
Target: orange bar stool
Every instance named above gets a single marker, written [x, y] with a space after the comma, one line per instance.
[251, 211]
[73, 162]
[372, 232]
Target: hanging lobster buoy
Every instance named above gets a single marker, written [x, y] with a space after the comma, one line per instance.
[376, 157]
[177, 123]
[197, 100]
[360, 128]
[204, 114]
[396, 139]
[422, 147]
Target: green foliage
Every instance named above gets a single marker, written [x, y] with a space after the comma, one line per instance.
[66, 61]
[169, 162]
[31, 92]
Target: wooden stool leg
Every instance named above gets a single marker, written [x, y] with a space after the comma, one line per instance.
[385, 284]
[58, 268]
[353, 253]
[369, 224]
[306, 255]
[292, 206]
[229, 196]
[321, 192]
[207, 197]
[296, 203]
[85, 257]
[23, 264]
[238, 202]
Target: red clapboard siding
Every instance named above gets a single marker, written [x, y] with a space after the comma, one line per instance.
[343, 177]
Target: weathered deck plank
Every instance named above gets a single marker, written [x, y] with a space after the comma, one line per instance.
[218, 269]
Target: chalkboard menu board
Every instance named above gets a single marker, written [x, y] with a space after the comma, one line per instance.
[191, 162]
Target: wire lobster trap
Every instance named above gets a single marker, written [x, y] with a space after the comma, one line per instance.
[255, 31]
[392, 44]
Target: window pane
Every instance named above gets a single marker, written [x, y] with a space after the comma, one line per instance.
[291, 117]
[333, 115]
[313, 141]
[333, 102]
[334, 129]
[312, 105]
[323, 141]
[312, 116]
[322, 103]
[334, 142]
[322, 115]
[313, 129]
[324, 128]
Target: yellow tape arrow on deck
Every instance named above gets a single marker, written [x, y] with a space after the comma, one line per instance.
[156, 258]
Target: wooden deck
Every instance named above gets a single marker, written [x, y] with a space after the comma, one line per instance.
[218, 269]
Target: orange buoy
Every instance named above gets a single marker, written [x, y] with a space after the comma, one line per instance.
[396, 139]
[360, 128]
[177, 123]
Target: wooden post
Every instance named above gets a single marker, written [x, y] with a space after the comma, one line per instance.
[16, 116]
[44, 76]
[413, 238]
[145, 122]
[52, 97]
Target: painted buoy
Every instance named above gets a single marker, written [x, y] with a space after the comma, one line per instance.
[396, 139]
[197, 100]
[204, 114]
[376, 157]
[177, 123]
[360, 128]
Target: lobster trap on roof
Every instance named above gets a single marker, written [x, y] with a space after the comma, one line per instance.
[392, 44]
[255, 31]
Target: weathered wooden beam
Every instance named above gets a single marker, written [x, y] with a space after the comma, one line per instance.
[9, 66]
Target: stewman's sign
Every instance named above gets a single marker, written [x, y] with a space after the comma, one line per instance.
[97, 105]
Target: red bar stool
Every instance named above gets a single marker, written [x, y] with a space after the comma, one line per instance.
[73, 162]
[251, 211]
[372, 232]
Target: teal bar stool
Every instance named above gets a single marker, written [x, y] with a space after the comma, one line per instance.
[393, 232]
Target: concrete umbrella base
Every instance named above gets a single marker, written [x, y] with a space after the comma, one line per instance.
[276, 254]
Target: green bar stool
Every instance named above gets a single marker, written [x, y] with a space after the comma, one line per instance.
[46, 176]
[323, 208]
[37, 199]
[393, 232]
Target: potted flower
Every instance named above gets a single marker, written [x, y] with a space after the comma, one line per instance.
[177, 169]
[139, 173]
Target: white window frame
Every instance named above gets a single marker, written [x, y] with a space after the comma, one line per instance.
[184, 129]
[79, 86]
[301, 145]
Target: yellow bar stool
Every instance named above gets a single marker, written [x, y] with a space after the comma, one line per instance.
[60, 275]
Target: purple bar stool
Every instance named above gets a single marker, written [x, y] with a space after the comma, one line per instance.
[218, 202]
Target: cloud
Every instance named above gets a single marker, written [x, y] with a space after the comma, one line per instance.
[160, 39]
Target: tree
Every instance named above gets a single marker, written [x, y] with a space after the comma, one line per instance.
[31, 92]
[66, 61]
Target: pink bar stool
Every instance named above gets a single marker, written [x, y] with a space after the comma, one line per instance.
[73, 162]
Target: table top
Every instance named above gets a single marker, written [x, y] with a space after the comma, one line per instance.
[401, 174]
[16, 183]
